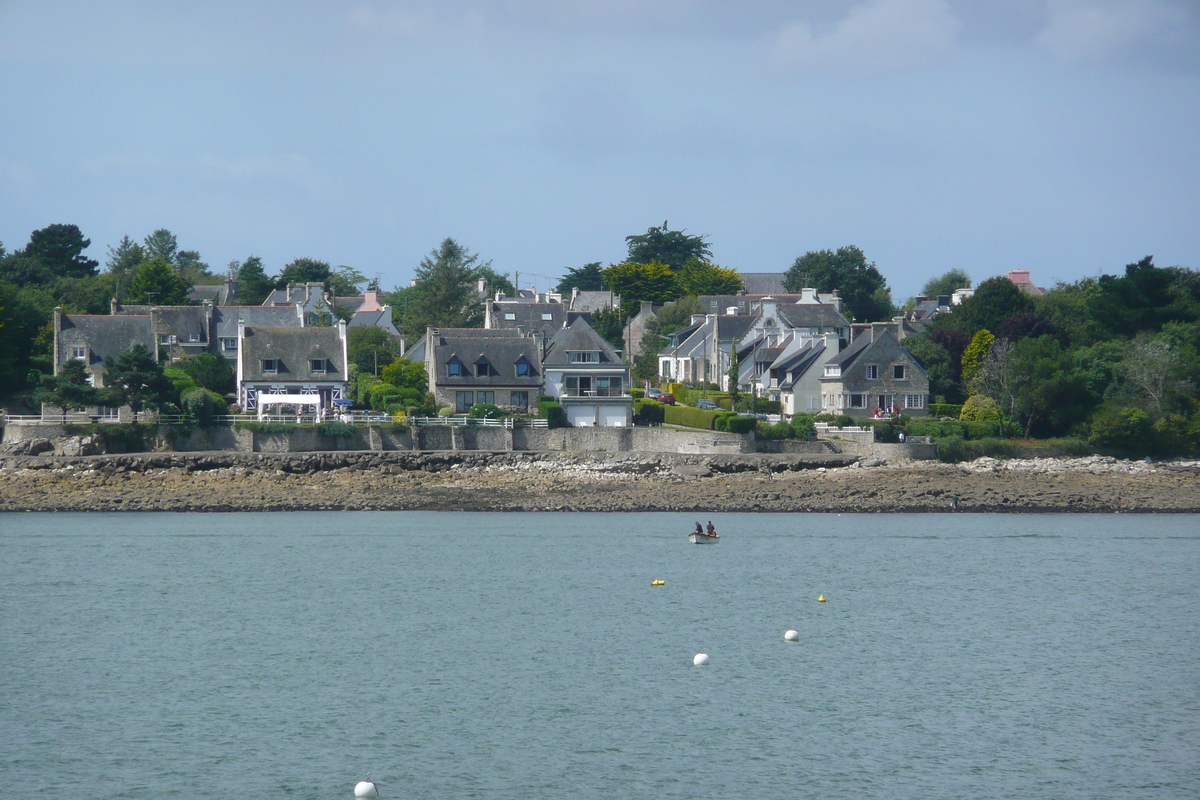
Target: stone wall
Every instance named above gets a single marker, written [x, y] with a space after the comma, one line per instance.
[793, 446]
[888, 452]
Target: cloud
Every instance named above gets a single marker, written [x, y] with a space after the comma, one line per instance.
[880, 36]
[1080, 31]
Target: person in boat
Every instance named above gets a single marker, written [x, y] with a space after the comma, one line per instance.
[712, 531]
[699, 529]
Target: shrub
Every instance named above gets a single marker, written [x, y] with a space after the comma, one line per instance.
[690, 417]
[202, 405]
[1125, 429]
[131, 438]
[1069, 446]
[802, 425]
[939, 410]
[649, 411]
[978, 408]
[740, 424]
[554, 414]
[335, 429]
[780, 430]
[445, 411]
[675, 389]
[843, 420]
[486, 411]
[954, 448]
[637, 394]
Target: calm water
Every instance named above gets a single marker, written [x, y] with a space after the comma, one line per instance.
[527, 656]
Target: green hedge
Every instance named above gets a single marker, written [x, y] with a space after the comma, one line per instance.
[954, 448]
[962, 430]
[690, 417]
[553, 413]
[335, 429]
[649, 411]
[637, 394]
[735, 423]
[939, 410]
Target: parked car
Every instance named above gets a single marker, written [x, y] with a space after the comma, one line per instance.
[664, 397]
[707, 405]
[653, 394]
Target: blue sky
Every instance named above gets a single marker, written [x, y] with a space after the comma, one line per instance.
[1058, 136]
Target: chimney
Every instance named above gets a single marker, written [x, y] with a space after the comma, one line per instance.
[808, 296]
[113, 307]
[647, 308]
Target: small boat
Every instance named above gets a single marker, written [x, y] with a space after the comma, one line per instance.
[703, 538]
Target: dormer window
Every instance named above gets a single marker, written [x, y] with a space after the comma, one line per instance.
[454, 368]
[524, 368]
[270, 366]
[193, 337]
[484, 368]
[833, 371]
[318, 366]
[79, 352]
[584, 357]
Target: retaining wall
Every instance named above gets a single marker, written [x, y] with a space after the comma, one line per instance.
[920, 452]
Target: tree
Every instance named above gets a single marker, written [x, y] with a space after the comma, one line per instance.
[610, 324]
[162, 244]
[733, 373]
[995, 301]
[303, 270]
[253, 283]
[346, 281]
[157, 284]
[587, 278]
[939, 363]
[669, 319]
[862, 287]
[68, 389]
[60, 248]
[664, 246]
[137, 379]
[973, 357]
[371, 348]
[635, 282]
[700, 277]
[208, 371]
[949, 283]
[495, 281]
[1146, 298]
[1154, 371]
[190, 268]
[123, 261]
[443, 294]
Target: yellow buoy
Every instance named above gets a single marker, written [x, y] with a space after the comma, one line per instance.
[821, 599]
[658, 583]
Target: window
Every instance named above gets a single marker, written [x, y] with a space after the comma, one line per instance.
[193, 337]
[586, 357]
[510, 316]
[519, 400]
[166, 338]
[524, 369]
[914, 401]
[872, 372]
[484, 369]
[833, 371]
[463, 401]
[454, 368]
[547, 316]
[319, 365]
[898, 372]
[79, 352]
[270, 366]
[486, 397]
[858, 401]
[228, 343]
[887, 402]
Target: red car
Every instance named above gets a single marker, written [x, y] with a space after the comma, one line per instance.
[669, 399]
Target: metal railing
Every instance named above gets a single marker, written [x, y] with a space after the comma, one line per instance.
[615, 392]
[506, 422]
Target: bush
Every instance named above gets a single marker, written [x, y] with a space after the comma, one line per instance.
[445, 411]
[637, 394]
[675, 389]
[740, 424]
[802, 425]
[1069, 446]
[979, 408]
[486, 411]
[335, 429]
[649, 411]
[553, 413]
[690, 417]
[202, 405]
[780, 430]
[131, 438]
[939, 410]
[952, 449]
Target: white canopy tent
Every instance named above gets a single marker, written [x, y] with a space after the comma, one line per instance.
[265, 400]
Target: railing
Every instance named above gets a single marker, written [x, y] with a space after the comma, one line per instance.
[595, 393]
[506, 422]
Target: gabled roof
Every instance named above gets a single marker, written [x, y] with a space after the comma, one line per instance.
[763, 282]
[181, 320]
[730, 328]
[378, 319]
[528, 316]
[502, 348]
[811, 315]
[796, 364]
[855, 349]
[592, 301]
[293, 348]
[226, 318]
[105, 336]
[577, 337]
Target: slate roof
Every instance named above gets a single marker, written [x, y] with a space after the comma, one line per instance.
[811, 315]
[218, 294]
[103, 335]
[293, 348]
[592, 301]
[378, 319]
[799, 362]
[579, 336]
[763, 282]
[502, 348]
[181, 320]
[225, 318]
[733, 327]
[528, 316]
[847, 357]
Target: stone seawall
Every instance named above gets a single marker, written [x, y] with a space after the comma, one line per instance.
[524, 481]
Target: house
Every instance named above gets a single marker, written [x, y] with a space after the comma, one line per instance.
[219, 294]
[292, 365]
[315, 303]
[593, 302]
[701, 351]
[226, 321]
[1020, 279]
[466, 366]
[179, 331]
[366, 310]
[530, 311]
[763, 282]
[587, 377]
[795, 374]
[635, 329]
[875, 374]
[747, 303]
[91, 338]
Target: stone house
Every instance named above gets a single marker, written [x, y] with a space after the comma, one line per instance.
[873, 375]
[466, 366]
[307, 363]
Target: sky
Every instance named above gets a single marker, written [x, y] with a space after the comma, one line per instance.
[1058, 136]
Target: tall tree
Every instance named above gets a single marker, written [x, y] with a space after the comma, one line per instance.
[253, 283]
[68, 389]
[123, 261]
[862, 287]
[700, 277]
[191, 268]
[371, 348]
[995, 301]
[209, 371]
[637, 282]
[137, 379]
[346, 281]
[303, 270]
[610, 324]
[495, 281]
[162, 244]
[443, 294]
[59, 248]
[157, 284]
[587, 278]
[665, 246]
[948, 283]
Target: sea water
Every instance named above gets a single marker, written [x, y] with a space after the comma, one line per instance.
[528, 656]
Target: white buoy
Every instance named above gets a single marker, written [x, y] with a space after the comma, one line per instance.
[791, 636]
[366, 788]
[700, 660]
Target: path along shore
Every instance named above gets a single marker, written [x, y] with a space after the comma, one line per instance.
[477, 481]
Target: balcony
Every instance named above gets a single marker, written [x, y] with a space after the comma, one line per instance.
[588, 393]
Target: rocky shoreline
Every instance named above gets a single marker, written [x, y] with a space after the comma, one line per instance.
[523, 481]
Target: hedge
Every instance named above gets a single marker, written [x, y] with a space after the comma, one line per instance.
[963, 430]
[637, 394]
[649, 411]
[335, 429]
[939, 410]
[954, 448]
[690, 417]
[554, 414]
[740, 424]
